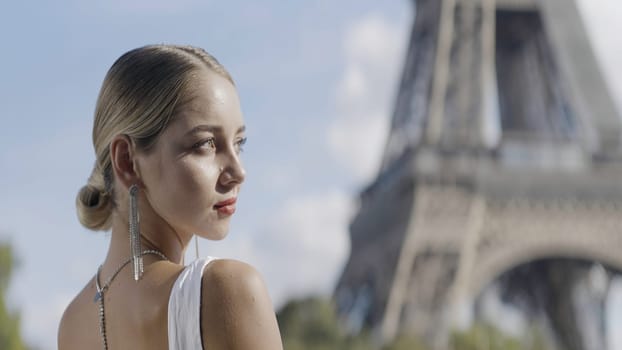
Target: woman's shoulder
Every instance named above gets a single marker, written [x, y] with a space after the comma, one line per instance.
[230, 273]
[235, 282]
[236, 308]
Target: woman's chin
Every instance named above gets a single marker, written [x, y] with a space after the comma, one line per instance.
[214, 235]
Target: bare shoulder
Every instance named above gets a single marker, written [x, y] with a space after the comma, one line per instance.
[228, 275]
[237, 312]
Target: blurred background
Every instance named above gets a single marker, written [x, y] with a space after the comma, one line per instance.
[482, 199]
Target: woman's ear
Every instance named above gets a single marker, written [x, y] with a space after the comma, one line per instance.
[122, 155]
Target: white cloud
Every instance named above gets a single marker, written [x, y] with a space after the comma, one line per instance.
[373, 52]
[359, 143]
[373, 40]
[353, 85]
[277, 176]
[305, 244]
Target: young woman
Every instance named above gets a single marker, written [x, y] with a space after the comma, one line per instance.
[168, 133]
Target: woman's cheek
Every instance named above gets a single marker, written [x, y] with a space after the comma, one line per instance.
[199, 179]
[208, 169]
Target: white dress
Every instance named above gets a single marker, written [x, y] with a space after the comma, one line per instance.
[184, 308]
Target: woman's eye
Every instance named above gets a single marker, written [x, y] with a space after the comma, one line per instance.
[207, 143]
[239, 144]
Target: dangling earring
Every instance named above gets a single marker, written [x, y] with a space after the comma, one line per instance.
[137, 258]
[196, 248]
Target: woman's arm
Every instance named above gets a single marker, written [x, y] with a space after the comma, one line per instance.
[236, 311]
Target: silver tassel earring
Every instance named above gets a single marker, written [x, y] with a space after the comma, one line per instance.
[137, 258]
[196, 248]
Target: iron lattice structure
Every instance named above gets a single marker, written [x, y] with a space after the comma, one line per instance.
[504, 148]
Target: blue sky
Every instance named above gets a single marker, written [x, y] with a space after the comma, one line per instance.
[316, 80]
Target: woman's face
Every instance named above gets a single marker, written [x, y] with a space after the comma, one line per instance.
[193, 174]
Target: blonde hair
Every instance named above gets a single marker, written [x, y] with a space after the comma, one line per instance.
[137, 99]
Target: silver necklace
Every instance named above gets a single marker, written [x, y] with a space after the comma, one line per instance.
[99, 295]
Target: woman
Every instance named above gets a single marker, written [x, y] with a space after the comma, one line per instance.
[168, 133]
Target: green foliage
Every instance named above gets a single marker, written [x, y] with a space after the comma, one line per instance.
[10, 338]
[406, 342]
[312, 324]
[485, 336]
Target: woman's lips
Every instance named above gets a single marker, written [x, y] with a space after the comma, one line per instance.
[226, 207]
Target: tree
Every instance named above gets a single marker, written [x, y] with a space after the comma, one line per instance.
[486, 336]
[10, 333]
[312, 324]
[406, 342]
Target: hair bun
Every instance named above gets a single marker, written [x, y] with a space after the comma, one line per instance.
[94, 208]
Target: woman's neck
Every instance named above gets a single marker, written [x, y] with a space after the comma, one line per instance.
[155, 235]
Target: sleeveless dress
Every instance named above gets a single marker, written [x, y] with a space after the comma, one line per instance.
[184, 308]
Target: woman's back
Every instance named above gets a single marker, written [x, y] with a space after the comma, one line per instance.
[136, 313]
[235, 311]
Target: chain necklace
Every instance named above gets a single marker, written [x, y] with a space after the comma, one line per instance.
[99, 295]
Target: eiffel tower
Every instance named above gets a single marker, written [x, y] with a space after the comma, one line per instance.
[504, 149]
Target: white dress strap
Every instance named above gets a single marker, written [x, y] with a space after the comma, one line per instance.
[184, 308]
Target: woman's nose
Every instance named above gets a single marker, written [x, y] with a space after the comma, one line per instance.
[233, 172]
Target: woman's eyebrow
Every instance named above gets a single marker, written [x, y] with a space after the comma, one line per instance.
[212, 129]
[204, 127]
